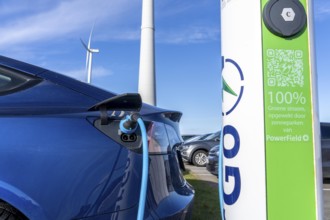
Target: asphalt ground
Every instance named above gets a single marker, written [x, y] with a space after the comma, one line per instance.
[202, 174]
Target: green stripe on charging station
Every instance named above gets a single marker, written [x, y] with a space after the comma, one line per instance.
[290, 172]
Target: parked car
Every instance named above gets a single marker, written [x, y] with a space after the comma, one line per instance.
[325, 145]
[213, 160]
[196, 152]
[194, 138]
[63, 155]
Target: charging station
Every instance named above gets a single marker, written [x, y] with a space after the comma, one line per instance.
[271, 139]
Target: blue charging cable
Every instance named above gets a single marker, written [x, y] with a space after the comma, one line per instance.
[220, 177]
[128, 126]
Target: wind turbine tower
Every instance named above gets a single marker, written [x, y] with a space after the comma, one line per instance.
[147, 81]
[89, 56]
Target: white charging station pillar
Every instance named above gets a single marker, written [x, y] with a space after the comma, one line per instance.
[271, 143]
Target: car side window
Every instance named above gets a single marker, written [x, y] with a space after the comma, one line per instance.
[4, 81]
[13, 81]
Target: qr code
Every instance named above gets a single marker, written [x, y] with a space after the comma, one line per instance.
[284, 68]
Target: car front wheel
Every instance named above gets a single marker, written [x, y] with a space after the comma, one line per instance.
[199, 158]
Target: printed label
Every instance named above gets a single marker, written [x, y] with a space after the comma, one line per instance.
[288, 126]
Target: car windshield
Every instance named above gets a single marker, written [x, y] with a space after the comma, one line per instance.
[198, 137]
[193, 138]
[212, 136]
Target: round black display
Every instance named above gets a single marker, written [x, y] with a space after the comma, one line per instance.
[285, 18]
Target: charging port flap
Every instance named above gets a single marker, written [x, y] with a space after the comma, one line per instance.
[124, 102]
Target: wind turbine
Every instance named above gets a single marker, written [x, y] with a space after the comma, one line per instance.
[89, 56]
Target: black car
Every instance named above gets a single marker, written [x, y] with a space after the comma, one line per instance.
[213, 160]
[325, 145]
[196, 152]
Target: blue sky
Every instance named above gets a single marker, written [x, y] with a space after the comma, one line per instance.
[47, 33]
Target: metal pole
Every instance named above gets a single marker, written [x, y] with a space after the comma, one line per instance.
[147, 81]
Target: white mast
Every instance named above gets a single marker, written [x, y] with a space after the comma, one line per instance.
[89, 56]
[147, 82]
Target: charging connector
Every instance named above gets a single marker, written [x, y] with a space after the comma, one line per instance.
[129, 124]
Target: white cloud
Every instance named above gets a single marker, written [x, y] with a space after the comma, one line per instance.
[41, 28]
[321, 9]
[68, 19]
[196, 34]
[123, 34]
[61, 21]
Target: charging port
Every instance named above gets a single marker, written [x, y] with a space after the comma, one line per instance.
[128, 137]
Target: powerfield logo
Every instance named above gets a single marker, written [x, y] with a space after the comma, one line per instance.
[233, 85]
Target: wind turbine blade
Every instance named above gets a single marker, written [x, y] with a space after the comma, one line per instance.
[87, 55]
[90, 37]
[83, 43]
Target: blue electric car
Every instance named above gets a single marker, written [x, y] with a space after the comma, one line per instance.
[63, 156]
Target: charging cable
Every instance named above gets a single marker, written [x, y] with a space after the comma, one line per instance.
[220, 177]
[128, 126]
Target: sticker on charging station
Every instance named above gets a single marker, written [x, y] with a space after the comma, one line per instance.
[233, 85]
[288, 111]
[233, 88]
[286, 95]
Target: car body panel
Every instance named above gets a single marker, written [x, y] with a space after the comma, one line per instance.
[57, 164]
[84, 159]
[22, 202]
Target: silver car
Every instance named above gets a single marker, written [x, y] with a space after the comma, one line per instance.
[196, 151]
